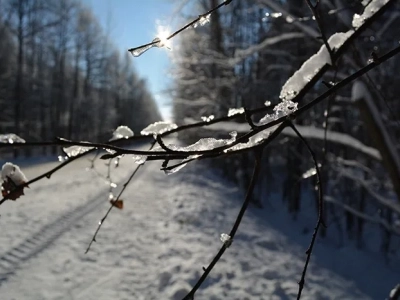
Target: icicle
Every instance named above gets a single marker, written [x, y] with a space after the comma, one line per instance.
[139, 51]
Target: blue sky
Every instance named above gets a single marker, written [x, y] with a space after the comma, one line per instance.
[132, 23]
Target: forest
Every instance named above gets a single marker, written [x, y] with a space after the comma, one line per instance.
[244, 57]
[292, 102]
[61, 75]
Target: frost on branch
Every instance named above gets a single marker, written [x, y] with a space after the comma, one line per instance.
[309, 173]
[202, 21]
[207, 118]
[235, 111]
[206, 144]
[372, 8]
[201, 145]
[158, 128]
[284, 108]
[12, 177]
[312, 66]
[10, 138]
[254, 140]
[316, 62]
[226, 239]
[75, 150]
[139, 159]
[122, 132]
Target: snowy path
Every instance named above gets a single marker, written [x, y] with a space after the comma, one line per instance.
[156, 246]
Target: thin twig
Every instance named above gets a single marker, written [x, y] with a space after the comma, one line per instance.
[112, 205]
[174, 154]
[164, 156]
[184, 27]
[159, 140]
[320, 211]
[315, 12]
[256, 171]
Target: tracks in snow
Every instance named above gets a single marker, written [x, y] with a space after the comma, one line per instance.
[39, 241]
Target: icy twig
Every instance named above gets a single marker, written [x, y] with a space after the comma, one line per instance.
[320, 211]
[161, 155]
[199, 20]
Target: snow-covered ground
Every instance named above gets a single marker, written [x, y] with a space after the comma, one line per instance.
[156, 246]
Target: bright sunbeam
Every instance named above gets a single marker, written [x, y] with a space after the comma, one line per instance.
[163, 33]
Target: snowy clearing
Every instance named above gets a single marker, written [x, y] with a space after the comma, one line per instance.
[156, 246]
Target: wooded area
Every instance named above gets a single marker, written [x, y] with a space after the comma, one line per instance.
[324, 72]
[244, 57]
[60, 75]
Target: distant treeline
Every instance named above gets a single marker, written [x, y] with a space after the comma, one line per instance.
[60, 74]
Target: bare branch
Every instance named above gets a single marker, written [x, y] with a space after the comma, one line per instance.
[111, 206]
[256, 171]
[320, 211]
[155, 41]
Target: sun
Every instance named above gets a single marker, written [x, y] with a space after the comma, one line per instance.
[163, 33]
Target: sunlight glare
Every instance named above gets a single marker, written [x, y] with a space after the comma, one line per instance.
[163, 33]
